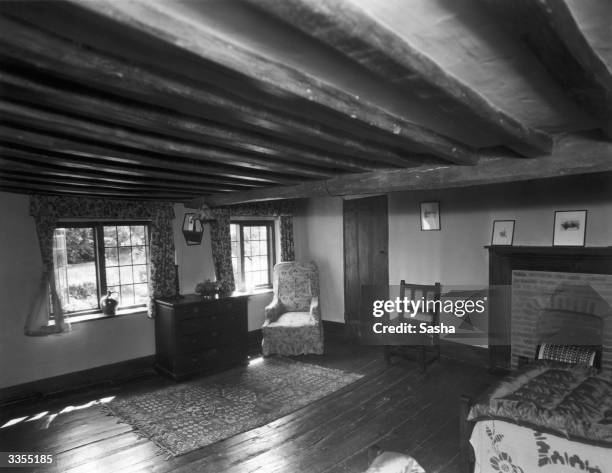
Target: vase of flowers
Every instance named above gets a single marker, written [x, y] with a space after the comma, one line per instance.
[206, 289]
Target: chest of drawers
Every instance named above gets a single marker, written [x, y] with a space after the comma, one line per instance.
[194, 335]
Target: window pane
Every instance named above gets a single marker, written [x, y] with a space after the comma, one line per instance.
[125, 256]
[112, 276]
[125, 273]
[139, 255]
[110, 236]
[111, 257]
[234, 232]
[141, 294]
[127, 295]
[75, 268]
[123, 235]
[140, 273]
[138, 234]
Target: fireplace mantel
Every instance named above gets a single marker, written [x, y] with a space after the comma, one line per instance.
[505, 259]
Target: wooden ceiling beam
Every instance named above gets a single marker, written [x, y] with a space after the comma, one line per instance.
[113, 155]
[353, 32]
[551, 31]
[17, 165]
[155, 19]
[28, 187]
[598, 74]
[66, 125]
[165, 122]
[98, 166]
[573, 154]
[97, 184]
[50, 54]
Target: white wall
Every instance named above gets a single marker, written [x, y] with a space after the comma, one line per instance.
[318, 236]
[456, 254]
[90, 344]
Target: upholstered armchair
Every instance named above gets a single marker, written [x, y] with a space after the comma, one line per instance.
[293, 318]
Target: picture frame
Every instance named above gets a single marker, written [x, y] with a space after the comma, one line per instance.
[502, 233]
[569, 227]
[192, 229]
[430, 216]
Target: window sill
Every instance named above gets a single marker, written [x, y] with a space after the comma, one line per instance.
[253, 292]
[77, 319]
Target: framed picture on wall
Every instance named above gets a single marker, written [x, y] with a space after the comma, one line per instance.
[570, 228]
[430, 216]
[503, 233]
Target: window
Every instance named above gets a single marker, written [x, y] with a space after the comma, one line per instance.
[91, 258]
[252, 253]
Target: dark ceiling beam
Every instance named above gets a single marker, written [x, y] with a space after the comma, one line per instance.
[165, 122]
[69, 126]
[352, 31]
[18, 165]
[52, 55]
[550, 30]
[95, 166]
[28, 187]
[573, 154]
[153, 19]
[96, 184]
[597, 73]
[112, 155]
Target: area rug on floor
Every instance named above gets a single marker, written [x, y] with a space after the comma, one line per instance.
[194, 414]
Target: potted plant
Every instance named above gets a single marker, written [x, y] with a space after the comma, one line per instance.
[207, 289]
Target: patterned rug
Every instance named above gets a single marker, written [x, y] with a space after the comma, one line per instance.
[193, 414]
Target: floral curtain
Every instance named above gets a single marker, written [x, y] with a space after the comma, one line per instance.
[162, 278]
[286, 238]
[221, 239]
[48, 210]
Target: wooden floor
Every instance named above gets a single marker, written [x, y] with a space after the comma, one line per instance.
[398, 408]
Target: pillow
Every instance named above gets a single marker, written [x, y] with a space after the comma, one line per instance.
[392, 462]
[575, 354]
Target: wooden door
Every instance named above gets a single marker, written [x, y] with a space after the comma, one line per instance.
[366, 259]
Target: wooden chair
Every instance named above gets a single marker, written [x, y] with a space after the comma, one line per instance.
[429, 351]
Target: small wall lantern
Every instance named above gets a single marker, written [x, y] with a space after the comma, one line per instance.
[192, 229]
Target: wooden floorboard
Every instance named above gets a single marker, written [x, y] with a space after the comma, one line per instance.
[397, 408]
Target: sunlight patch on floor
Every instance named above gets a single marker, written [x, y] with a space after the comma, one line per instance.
[48, 418]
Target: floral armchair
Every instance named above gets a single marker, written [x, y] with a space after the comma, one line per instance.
[293, 319]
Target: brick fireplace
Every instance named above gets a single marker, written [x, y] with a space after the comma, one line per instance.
[573, 303]
[544, 278]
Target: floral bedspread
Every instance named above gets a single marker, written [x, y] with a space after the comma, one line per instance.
[570, 401]
[502, 447]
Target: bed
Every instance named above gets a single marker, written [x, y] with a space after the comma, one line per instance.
[549, 417]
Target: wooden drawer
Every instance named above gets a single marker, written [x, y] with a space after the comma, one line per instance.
[187, 312]
[199, 325]
[189, 343]
[193, 362]
[194, 335]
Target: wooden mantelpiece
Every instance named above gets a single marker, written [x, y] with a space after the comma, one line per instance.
[505, 259]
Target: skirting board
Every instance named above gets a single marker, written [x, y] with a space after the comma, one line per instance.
[109, 375]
